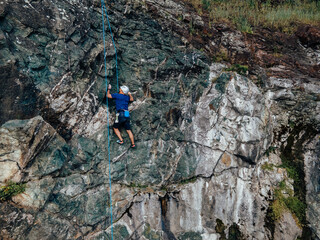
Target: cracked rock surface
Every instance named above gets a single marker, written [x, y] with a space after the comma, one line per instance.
[213, 146]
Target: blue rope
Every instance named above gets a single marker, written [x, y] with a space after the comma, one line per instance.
[104, 10]
[114, 45]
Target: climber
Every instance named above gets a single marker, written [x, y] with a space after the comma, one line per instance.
[122, 116]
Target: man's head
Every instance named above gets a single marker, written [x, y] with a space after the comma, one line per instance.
[124, 90]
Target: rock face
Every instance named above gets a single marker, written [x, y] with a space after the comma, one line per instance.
[215, 148]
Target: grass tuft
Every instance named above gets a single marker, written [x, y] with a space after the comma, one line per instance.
[137, 185]
[267, 167]
[240, 69]
[10, 190]
[189, 180]
[221, 56]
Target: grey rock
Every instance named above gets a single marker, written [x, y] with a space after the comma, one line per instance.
[26, 143]
[285, 230]
[204, 136]
[311, 157]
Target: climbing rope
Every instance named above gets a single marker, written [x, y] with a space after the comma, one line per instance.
[114, 45]
[104, 11]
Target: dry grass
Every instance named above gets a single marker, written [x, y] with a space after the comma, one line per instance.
[247, 14]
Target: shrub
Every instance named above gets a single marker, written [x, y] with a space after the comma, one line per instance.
[10, 190]
[220, 56]
[241, 69]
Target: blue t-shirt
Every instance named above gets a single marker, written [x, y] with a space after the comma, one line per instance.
[122, 101]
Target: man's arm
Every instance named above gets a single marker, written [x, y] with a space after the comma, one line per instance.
[131, 98]
[108, 92]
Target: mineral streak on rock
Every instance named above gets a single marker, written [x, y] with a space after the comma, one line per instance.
[213, 145]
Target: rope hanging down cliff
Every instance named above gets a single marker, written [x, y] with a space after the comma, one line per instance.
[104, 11]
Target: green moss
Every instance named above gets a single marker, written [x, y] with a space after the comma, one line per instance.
[291, 170]
[137, 185]
[190, 236]
[189, 180]
[282, 185]
[267, 167]
[277, 209]
[241, 69]
[271, 149]
[284, 200]
[296, 206]
[291, 124]
[150, 233]
[293, 161]
[10, 190]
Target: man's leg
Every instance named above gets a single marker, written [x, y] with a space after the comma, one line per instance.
[117, 132]
[128, 129]
[130, 136]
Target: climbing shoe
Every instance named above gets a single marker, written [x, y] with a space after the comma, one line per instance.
[119, 142]
[133, 146]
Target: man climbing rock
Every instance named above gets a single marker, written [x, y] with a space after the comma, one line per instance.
[122, 116]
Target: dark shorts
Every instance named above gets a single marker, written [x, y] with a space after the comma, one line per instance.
[123, 122]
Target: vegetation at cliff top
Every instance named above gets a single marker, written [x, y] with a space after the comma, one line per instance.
[283, 15]
[10, 190]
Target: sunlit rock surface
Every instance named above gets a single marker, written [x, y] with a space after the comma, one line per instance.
[213, 145]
